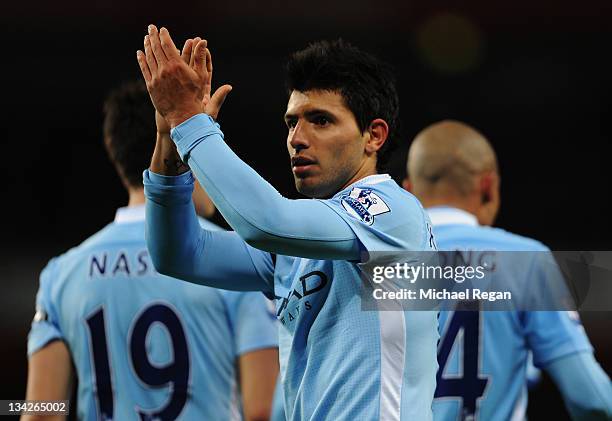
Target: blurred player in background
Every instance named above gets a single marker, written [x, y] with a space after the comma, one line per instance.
[278, 403]
[145, 346]
[483, 356]
[338, 362]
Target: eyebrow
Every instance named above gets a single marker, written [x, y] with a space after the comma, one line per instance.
[310, 114]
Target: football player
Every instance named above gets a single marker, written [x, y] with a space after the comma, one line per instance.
[483, 356]
[337, 361]
[142, 345]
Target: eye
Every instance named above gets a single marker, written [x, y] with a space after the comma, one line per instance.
[321, 120]
[291, 123]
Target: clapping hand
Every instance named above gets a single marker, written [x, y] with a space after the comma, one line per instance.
[179, 84]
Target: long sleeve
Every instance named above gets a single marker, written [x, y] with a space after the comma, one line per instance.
[254, 209]
[585, 387]
[180, 248]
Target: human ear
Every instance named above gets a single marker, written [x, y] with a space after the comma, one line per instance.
[378, 131]
[489, 198]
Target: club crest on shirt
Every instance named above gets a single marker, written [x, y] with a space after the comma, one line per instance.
[364, 205]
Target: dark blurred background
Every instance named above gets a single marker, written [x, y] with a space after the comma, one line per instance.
[533, 77]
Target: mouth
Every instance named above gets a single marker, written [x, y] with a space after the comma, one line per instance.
[302, 165]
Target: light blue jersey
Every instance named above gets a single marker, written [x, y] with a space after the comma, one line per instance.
[146, 346]
[278, 403]
[483, 356]
[379, 364]
[338, 361]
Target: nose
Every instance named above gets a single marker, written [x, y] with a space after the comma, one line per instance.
[297, 138]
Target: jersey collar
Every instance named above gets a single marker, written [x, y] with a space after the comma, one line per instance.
[369, 180]
[130, 214]
[445, 215]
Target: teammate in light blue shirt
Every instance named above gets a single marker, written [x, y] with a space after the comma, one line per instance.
[278, 403]
[483, 356]
[338, 362]
[145, 346]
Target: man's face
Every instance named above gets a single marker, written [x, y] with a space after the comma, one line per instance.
[325, 144]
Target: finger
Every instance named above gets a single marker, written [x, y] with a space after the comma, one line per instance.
[144, 67]
[192, 58]
[209, 62]
[167, 44]
[186, 53]
[199, 62]
[150, 58]
[208, 75]
[217, 100]
[156, 47]
[220, 94]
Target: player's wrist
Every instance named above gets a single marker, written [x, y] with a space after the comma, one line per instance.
[166, 159]
[176, 118]
[161, 124]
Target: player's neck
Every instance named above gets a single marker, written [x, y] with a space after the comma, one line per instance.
[136, 197]
[364, 171]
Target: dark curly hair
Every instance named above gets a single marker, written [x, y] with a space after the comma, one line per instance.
[129, 130]
[366, 83]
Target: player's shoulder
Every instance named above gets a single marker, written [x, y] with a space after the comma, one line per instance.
[380, 197]
[458, 228]
[384, 186]
[76, 251]
[112, 235]
[513, 242]
[235, 298]
[246, 304]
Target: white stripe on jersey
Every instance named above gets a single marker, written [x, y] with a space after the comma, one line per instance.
[392, 357]
[520, 407]
[235, 410]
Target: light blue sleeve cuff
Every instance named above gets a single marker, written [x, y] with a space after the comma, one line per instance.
[168, 180]
[192, 131]
[168, 190]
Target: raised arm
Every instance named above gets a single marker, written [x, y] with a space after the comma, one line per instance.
[260, 215]
[180, 248]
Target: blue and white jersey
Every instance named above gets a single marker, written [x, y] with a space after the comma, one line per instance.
[146, 346]
[483, 356]
[379, 364]
[338, 361]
